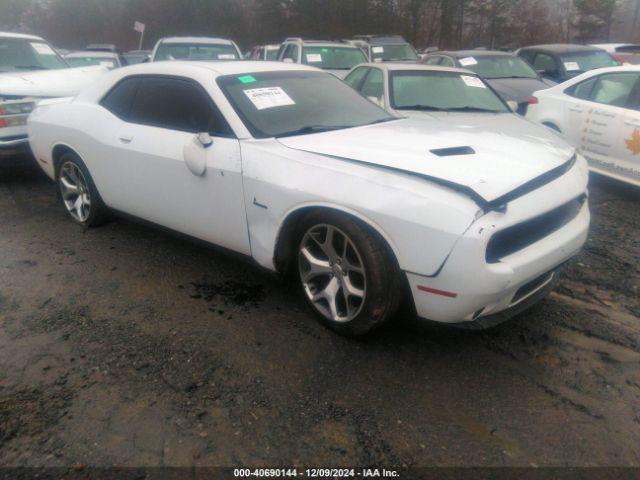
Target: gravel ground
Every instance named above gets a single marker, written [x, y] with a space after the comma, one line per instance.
[127, 346]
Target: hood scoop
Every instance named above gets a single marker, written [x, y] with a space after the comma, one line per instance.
[453, 151]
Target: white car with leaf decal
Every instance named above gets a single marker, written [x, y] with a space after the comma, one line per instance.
[598, 112]
[290, 166]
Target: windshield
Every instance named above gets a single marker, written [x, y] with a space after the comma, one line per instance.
[333, 58]
[274, 104]
[89, 61]
[502, 66]
[195, 51]
[578, 62]
[272, 54]
[20, 54]
[388, 53]
[449, 91]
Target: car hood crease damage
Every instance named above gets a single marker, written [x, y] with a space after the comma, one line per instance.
[492, 175]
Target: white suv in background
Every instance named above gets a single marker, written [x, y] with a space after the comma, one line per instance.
[337, 58]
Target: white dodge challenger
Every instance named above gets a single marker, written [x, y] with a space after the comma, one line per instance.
[290, 166]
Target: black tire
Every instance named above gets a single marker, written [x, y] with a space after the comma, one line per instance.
[383, 290]
[96, 213]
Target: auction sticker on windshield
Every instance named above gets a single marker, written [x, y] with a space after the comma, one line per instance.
[571, 66]
[472, 81]
[43, 49]
[269, 97]
[226, 56]
[465, 62]
[314, 57]
[377, 49]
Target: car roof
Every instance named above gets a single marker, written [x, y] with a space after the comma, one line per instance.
[562, 48]
[20, 35]
[91, 53]
[387, 40]
[205, 40]
[319, 43]
[395, 66]
[237, 67]
[472, 53]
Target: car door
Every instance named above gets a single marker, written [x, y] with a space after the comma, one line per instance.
[607, 124]
[576, 106]
[159, 170]
[627, 160]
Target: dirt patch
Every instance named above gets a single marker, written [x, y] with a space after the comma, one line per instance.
[230, 292]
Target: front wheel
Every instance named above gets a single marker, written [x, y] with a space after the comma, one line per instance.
[78, 192]
[347, 273]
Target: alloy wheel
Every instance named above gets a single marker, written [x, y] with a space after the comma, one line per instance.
[332, 273]
[75, 192]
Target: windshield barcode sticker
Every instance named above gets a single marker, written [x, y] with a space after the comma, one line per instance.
[377, 49]
[43, 49]
[465, 62]
[472, 81]
[571, 66]
[270, 97]
[314, 58]
[226, 56]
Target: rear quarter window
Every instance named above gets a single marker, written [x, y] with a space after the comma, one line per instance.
[119, 100]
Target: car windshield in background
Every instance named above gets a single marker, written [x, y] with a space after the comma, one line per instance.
[577, 62]
[272, 55]
[501, 66]
[21, 54]
[195, 51]
[278, 104]
[388, 53]
[447, 91]
[333, 58]
[89, 61]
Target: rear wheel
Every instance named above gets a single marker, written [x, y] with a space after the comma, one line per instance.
[346, 273]
[78, 192]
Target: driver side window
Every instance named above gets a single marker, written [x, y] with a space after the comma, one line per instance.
[177, 104]
[354, 79]
[373, 86]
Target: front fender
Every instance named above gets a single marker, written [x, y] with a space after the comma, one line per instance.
[420, 221]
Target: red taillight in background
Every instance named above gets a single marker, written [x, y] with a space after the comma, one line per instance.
[533, 100]
[2, 124]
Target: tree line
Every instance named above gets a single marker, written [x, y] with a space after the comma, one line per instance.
[441, 23]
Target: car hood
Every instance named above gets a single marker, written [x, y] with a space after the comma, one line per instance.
[517, 89]
[49, 83]
[497, 163]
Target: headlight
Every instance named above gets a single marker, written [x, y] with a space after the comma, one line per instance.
[14, 113]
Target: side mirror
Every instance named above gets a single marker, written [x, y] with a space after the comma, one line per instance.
[513, 105]
[205, 139]
[195, 153]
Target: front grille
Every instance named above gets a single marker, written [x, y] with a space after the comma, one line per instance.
[517, 237]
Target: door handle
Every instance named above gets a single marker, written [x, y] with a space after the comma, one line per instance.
[126, 138]
[577, 109]
[633, 123]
